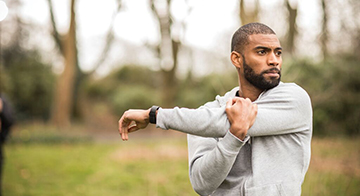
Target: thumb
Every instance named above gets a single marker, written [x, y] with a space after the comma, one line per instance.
[133, 128]
[230, 102]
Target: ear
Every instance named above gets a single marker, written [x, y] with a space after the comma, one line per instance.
[236, 59]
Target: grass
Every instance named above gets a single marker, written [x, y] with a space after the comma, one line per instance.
[145, 166]
[334, 168]
[96, 169]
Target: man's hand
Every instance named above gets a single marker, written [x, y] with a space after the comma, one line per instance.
[133, 120]
[241, 114]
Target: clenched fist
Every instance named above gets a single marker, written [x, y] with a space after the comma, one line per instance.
[241, 114]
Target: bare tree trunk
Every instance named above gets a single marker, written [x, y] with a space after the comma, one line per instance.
[292, 29]
[324, 35]
[247, 15]
[168, 52]
[67, 101]
[63, 102]
[356, 37]
[170, 85]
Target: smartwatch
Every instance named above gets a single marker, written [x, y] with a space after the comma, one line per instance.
[152, 114]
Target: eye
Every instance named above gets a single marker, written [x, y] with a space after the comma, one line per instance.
[278, 53]
[261, 52]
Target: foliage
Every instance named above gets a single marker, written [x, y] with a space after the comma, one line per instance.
[138, 87]
[25, 78]
[334, 87]
[127, 75]
[197, 91]
[133, 97]
[29, 85]
[129, 87]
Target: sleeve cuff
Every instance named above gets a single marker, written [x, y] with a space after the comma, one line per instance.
[231, 143]
[160, 119]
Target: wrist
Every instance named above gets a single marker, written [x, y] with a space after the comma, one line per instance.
[152, 114]
[239, 132]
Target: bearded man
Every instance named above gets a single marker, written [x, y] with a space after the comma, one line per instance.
[254, 140]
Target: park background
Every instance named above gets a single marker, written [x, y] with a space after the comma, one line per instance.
[71, 68]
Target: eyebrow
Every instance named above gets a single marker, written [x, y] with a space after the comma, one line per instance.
[266, 48]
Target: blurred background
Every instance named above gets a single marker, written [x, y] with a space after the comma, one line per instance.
[71, 68]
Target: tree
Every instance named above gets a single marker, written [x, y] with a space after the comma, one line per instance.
[167, 50]
[325, 34]
[67, 89]
[292, 28]
[249, 15]
[63, 99]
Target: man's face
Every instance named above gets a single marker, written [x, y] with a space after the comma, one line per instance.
[262, 61]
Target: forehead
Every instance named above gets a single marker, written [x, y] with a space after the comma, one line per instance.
[266, 40]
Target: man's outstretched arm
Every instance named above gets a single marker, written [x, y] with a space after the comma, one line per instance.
[289, 106]
[285, 109]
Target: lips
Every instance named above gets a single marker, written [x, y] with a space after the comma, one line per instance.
[274, 72]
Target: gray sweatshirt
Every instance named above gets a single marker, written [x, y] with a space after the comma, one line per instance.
[272, 159]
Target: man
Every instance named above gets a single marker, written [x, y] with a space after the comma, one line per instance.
[254, 140]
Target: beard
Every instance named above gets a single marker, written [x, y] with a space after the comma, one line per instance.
[258, 80]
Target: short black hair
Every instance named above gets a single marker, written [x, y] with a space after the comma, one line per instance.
[240, 37]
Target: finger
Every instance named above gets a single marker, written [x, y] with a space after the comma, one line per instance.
[124, 134]
[229, 103]
[120, 125]
[133, 128]
[238, 100]
[123, 120]
[129, 129]
[123, 127]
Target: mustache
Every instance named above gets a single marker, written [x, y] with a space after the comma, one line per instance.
[272, 70]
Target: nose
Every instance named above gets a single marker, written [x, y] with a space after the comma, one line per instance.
[273, 59]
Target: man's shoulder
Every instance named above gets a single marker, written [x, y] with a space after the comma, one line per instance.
[220, 100]
[290, 88]
[290, 91]
[230, 94]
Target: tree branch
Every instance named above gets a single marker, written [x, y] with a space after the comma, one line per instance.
[55, 33]
[109, 41]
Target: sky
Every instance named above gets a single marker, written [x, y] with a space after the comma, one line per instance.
[209, 24]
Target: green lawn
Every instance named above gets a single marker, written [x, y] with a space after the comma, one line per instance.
[149, 166]
[132, 168]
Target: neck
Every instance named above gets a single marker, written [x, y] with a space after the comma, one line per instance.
[247, 90]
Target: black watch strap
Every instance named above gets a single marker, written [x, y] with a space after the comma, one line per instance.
[152, 114]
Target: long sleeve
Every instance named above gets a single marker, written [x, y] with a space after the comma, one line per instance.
[287, 110]
[287, 106]
[211, 160]
[213, 150]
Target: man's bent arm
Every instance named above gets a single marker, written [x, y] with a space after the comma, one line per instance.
[213, 162]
